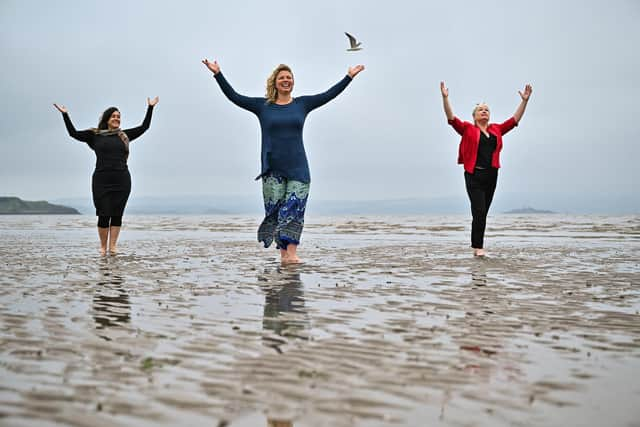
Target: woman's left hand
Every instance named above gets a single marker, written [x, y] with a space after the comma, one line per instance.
[527, 93]
[353, 71]
[152, 102]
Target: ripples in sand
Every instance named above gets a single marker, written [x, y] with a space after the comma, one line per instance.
[389, 322]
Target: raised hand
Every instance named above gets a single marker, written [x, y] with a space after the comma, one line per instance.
[61, 108]
[212, 66]
[444, 90]
[448, 111]
[527, 93]
[523, 104]
[353, 71]
[152, 102]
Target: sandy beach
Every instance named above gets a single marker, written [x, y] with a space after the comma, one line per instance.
[390, 321]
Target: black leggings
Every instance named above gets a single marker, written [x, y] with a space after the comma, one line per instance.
[106, 221]
[480, 187]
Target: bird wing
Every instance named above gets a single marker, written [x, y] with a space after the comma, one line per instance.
[352, 40]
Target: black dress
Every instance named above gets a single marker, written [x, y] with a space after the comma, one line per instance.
[111, 181]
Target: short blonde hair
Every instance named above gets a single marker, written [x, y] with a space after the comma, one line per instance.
[272, 92]
[478, 105]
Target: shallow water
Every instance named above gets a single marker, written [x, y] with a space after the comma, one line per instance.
[390, 321]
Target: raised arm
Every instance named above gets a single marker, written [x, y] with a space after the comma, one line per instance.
[448, 111]
[523, 104]
[314, 101]
[457, 124]
[80, 135]
[136, 132]
[245, 102]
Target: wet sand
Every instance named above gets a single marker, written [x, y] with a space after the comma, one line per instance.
[390, 321]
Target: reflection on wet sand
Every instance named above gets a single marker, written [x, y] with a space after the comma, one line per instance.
[111, 307]
[479, 274]
[279, 423]
[284, 310]
[390, 322]
[484, 332]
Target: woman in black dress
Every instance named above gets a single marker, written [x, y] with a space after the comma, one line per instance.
[111, 181]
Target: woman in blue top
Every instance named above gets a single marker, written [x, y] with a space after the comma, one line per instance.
[285, 170]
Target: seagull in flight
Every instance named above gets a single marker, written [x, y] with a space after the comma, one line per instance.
[355, 45]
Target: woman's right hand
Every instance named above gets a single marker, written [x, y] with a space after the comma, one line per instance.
[212, 66]
[61, 108]
[444, 90]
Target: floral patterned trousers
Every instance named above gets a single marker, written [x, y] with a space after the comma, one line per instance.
[284, 205]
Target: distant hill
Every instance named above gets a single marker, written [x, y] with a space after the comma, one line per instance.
[16, 206]
[529, 210]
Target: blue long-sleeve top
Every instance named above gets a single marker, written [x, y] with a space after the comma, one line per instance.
[281, 125]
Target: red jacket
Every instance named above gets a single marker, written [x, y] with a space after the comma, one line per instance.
[468, 151]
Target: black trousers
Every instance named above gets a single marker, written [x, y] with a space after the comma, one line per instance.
[109, 221]
[480, 188]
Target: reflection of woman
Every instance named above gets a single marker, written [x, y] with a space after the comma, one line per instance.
[111, 310]
[480, 154]
[111, 181]
[285, 171]
[285, 297]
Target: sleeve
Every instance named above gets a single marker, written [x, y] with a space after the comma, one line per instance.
[507, 125]
[136, 132]
[245, 102]
[314, 101]
[80, 135]
[458, 125]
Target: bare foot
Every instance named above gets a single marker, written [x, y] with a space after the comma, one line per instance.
[292, 256]
[113, 250]
[103, 251]
[291, 260]
[479, 252]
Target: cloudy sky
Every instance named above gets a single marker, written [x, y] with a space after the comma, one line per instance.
[385, 137]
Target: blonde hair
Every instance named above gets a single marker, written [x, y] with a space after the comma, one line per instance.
[478, 105]
[272, 93]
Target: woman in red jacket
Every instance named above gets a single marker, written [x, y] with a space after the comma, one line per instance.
[479, 152]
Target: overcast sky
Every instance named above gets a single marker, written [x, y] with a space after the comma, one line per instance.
[384, 137]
